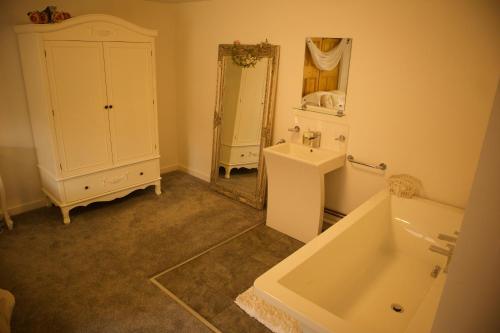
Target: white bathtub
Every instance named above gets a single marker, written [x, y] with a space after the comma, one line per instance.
[346, 279]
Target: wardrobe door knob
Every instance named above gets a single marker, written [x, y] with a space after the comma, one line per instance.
[86, 187]
[105, 106]
[111, 106]
[141, 173]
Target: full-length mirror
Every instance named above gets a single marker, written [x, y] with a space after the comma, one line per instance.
[246, 88]
[326, 70]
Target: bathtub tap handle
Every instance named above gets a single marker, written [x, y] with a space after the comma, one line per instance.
[440, 250]
[447, 238]
[448, 253]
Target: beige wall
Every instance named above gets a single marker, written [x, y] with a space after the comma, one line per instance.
[17, 156]
[471, 297]
[421, 84]
[422, 80]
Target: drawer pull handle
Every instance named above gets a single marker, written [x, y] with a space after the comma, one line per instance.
[242, 155]
[142, 173]
[86, 187]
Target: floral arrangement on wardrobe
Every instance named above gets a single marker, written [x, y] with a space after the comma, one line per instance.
[247, 56]
[49, 15]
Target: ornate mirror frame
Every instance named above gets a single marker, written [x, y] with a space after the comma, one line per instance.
[263, 51]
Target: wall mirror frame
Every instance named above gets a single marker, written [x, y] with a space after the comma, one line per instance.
[259, 64]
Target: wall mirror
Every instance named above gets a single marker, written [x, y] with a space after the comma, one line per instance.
[326, 71]
[246, 90]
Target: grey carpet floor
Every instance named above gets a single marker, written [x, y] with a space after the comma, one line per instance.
[210, 283]
[92, 275]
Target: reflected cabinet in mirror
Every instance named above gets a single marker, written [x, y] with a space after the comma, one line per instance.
[246, 89]
[326, 70]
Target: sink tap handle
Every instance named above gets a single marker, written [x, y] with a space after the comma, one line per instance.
[340, 138]
[295, 129]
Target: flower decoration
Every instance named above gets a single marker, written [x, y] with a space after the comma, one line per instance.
[48, 15]
[245, 56]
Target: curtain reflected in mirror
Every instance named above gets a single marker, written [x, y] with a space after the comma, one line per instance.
[326, 71]
[245, 102]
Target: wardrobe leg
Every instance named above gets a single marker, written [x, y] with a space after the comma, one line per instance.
[3, 202]
[158, 187]
[8, 221]
[65, 214]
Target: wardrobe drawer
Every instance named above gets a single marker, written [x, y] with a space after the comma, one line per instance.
[143, 172]
[240, 154]
[82, 187]
[110, 180]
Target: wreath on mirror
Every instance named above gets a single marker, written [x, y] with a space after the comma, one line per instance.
[245, 56]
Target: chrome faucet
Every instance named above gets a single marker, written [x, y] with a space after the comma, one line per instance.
[311, 138]
[280, 141]
[446, 252]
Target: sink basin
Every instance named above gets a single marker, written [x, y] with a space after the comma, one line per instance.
[296, 187]
[322, 160]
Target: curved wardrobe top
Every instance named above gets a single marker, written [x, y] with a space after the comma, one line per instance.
[100, 26]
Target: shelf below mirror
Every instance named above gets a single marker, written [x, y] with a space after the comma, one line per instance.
[319, 109]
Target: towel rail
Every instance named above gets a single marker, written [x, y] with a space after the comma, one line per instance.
[381, 166]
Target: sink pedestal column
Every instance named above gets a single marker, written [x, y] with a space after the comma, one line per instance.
[295, 201]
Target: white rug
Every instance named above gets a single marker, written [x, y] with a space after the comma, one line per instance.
[270, 316]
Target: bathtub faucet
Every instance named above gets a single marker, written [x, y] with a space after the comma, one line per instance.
[446, 252]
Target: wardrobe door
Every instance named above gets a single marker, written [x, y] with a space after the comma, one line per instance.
[129, 79]
[251, 105]
[78, 94]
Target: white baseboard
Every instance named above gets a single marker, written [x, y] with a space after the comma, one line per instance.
[169, 168]
[24, 207]
[195, 173]
[330, 219]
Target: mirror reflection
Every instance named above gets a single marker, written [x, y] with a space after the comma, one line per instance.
[243, 119]
[326, 70]
[243, 100]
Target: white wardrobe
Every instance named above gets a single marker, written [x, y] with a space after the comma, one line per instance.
[90, 84]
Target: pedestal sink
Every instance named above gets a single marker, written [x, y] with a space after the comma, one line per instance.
[296, 187]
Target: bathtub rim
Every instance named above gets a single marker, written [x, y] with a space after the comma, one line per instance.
[268, 287]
